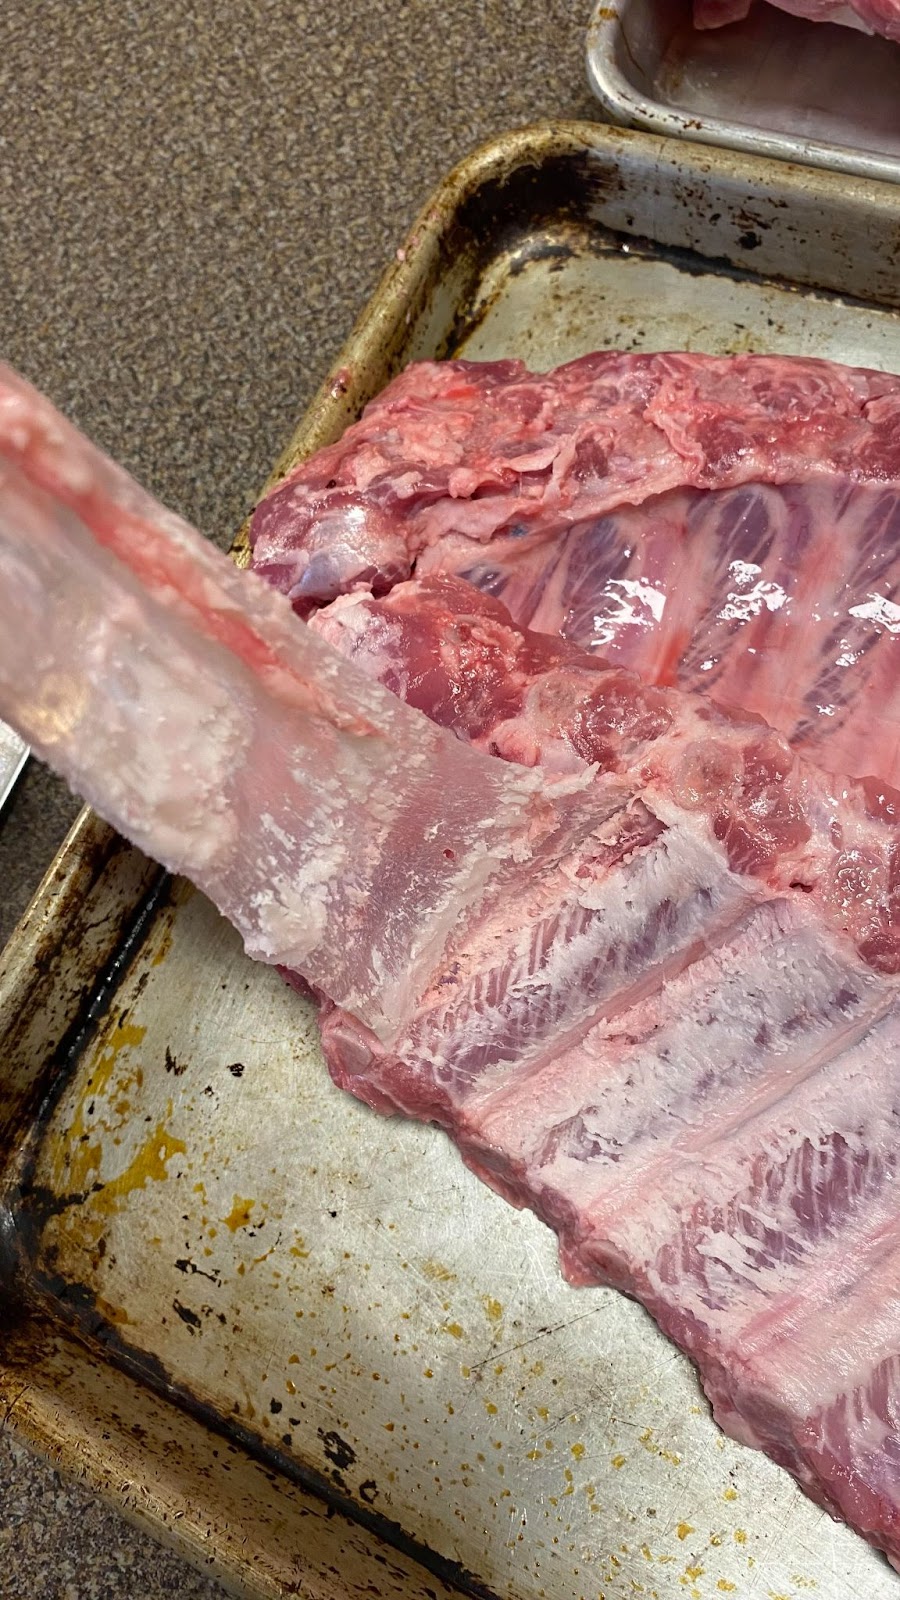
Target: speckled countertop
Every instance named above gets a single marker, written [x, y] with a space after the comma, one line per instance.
[195, 199]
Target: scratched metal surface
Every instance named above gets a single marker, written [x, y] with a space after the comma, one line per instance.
[336, 1292]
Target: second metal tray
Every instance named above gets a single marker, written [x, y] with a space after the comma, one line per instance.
[773, 85]
[300, 1339]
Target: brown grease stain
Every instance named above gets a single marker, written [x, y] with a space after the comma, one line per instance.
[112, 1313]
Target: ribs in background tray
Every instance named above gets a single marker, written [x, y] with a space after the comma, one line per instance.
[684, 1054]
[871, 16]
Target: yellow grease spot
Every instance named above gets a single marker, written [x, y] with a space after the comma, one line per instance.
[683, 1529]
[437, 1273]
[75, 1158]
[538, 1369]
[740, 1536]
[493, 1310]
[453, 1328]
[290, 1386]
[490, 1408]
[239, 1216]
[694, 1573]
[619, 1461]
[730, 1494]
[725, 1587]
[299, 1249]
[578, 1451]
[149, 1162]
[293, 1361]
[647, 1440]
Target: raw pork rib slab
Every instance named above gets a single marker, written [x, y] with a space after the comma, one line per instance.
[685, 1068]
[685, 1060]
[727, 525]
[871, 16]
[648, 954]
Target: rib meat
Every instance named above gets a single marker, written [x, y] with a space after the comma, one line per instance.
[685, 1060]
[726, 525]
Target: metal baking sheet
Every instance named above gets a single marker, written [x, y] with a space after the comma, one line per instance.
[773, 85]
[301, 1340]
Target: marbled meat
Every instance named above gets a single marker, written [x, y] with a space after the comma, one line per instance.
[731, 526]
[684, 1054]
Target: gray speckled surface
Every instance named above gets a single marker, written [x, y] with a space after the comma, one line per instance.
[195, 199]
